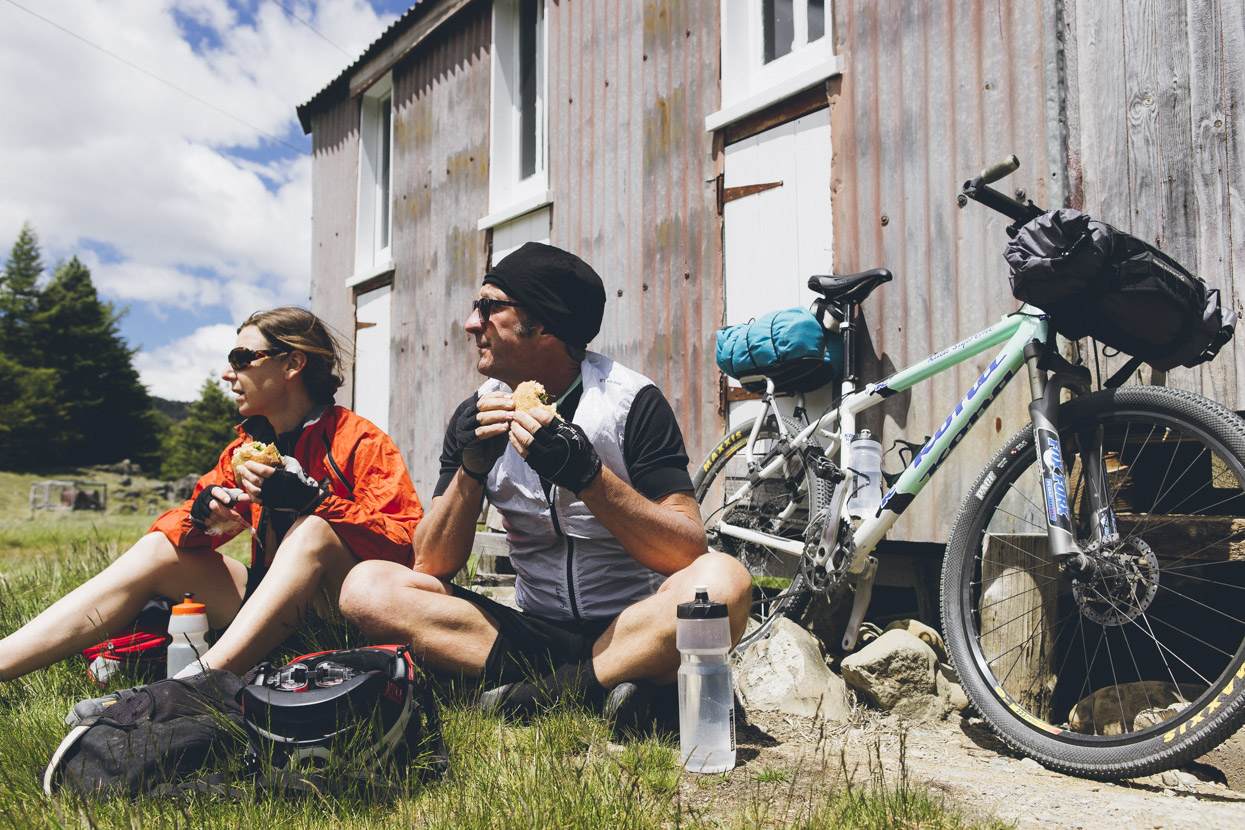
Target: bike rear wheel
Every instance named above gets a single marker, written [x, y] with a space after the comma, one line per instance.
[1138, 666]
[782, 505]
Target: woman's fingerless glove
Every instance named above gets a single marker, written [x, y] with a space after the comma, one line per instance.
[292, 492]
[201, 508]
[561, 453]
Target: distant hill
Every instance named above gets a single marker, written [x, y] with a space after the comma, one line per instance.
[175, 411]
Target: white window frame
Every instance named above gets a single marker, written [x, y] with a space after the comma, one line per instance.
[374, 226]
[749, 85]
[510, 193]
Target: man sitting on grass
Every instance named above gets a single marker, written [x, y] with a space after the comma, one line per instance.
[604, 533]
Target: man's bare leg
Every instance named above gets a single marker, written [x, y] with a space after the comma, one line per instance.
[395, 604]
[640, 644]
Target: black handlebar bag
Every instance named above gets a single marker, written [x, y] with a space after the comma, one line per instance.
[1097, 281]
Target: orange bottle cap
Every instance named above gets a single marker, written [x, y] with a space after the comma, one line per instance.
[188, 607]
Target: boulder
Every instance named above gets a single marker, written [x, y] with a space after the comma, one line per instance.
[1106, 711]
[787, 673]
[927, 634]
[894, 667]
[949, 688]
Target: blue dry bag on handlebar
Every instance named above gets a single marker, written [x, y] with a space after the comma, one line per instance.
[789, 346]
[1096, 281]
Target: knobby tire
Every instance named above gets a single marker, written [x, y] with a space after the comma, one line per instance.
[1145, 658]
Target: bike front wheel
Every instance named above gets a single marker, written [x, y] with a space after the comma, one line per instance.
[780, 506]
[1136, 664]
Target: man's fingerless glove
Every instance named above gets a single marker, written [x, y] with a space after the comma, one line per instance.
[293, 492]
[479, 454]
[561, 453]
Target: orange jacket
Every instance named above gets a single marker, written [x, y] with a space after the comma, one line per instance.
[371, 504]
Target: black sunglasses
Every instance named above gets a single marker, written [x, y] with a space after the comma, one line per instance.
[241, 358]
[485, 306]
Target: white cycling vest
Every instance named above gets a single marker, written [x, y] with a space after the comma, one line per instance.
[567, 565]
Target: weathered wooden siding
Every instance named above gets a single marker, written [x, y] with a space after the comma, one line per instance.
[440, 190]
[631, 170]
[930, 92]
[1156, 140]
[334, 189]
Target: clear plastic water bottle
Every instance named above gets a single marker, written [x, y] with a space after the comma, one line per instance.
[188, 625]
[866, 463]
[706, 693]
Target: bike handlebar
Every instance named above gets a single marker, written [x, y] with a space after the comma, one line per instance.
[1001, 168]
[977, 190]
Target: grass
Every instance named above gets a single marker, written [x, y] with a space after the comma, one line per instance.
[561, 770]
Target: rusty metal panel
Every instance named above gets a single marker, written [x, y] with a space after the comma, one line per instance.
[334, 185]
[633, 172]
[440, 190]
[930, 92]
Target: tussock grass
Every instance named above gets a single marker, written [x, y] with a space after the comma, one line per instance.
[561, 770]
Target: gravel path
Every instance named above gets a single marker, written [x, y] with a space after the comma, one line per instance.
[977, 773]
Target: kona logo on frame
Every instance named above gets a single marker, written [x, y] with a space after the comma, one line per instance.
[933, 466]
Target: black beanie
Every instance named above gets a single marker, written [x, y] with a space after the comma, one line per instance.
[556, 287]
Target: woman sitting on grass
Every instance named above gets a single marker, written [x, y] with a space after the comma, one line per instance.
[354, 501]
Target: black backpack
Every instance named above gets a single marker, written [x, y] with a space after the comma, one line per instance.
[296, 732]
[1096, 281]
[150, 737]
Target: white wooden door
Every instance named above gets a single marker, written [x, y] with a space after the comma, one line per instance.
[778, 223]
[371, 356]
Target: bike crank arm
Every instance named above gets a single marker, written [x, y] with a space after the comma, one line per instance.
[860, 604]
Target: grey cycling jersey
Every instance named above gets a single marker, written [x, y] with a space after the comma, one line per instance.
[567, 565]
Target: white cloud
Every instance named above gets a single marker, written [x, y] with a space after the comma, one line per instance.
[194, 209]
[179, 368]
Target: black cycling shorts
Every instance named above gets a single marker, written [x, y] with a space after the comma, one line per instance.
[528, 646]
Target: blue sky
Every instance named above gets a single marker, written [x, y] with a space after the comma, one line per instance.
[157, 141]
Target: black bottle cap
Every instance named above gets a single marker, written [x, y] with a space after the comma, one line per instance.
[702, 608]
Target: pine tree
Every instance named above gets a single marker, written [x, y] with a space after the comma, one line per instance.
[19, 293]
[194, 445]
[108, 408]
[33, 427]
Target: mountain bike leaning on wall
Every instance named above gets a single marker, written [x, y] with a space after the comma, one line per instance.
[1093, 588]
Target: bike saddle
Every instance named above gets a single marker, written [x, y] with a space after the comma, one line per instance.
[849, 288]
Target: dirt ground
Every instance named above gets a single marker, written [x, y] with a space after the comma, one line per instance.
[960, 759]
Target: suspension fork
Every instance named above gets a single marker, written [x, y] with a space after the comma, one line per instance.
[1054, 468]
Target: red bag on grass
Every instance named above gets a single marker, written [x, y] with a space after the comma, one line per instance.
[141, 648]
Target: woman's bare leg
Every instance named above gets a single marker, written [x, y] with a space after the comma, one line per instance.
[311, 561]
[112, 599]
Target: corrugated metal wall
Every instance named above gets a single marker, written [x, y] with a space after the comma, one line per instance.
[334, 189]
[440, 185]
[1156, 142]
[631, 170]
[930, 92]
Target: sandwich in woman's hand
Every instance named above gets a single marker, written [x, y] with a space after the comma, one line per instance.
[255, 451]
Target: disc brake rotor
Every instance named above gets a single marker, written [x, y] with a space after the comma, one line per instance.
[1123, 587]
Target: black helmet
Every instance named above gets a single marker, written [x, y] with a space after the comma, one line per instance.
[333, 711]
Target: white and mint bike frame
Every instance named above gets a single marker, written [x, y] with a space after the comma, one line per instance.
[838, 427]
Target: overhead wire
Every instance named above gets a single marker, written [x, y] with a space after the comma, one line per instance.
[322, 36]
[155, 77]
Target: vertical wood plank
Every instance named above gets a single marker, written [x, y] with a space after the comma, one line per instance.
[1018, 609]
